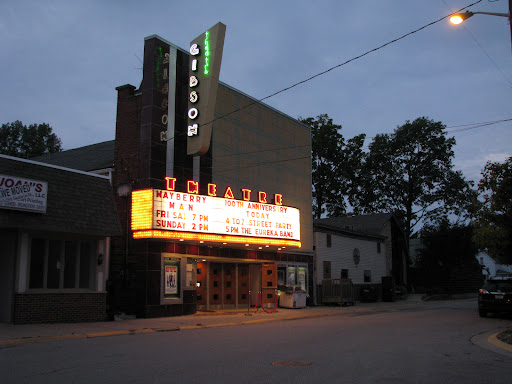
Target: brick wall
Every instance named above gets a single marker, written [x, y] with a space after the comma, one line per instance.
[36, 308]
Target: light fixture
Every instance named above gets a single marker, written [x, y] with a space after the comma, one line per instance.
[460, 17]
[201, 241]
[182, 240]
[246, 245]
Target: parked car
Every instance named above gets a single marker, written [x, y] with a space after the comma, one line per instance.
[495, 296]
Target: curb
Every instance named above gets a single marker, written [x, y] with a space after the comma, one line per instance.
[493, 339]
[39, 339]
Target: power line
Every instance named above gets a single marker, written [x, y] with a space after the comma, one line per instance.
[344, 63]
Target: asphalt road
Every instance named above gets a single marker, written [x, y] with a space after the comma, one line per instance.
[428, 344]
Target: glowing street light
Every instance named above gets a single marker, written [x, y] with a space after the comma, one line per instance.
[458, 18]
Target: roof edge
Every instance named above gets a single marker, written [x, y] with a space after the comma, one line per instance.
[53, 166]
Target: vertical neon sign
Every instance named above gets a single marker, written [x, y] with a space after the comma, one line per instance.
[207, 53]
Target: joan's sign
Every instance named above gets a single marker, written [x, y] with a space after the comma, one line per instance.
[23, 194]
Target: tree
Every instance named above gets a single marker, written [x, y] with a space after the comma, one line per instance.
[410, 173]
[447, 262]
[19, 140]
[493, 217]
[336, 165]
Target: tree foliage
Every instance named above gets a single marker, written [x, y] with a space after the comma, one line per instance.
[447, 262]
[410, 173]
[493, 218]
[19, 140]
[336, 166]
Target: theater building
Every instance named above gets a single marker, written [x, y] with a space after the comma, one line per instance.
[213, 189]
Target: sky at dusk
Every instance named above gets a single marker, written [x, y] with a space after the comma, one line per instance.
[60, 62]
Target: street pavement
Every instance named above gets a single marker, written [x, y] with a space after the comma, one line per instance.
[16, 334]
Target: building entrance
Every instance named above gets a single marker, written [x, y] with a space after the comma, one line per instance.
[235, 285]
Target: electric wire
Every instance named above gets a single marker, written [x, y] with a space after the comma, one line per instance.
[482, 48]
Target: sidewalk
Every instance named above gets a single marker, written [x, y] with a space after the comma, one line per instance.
[11, 335]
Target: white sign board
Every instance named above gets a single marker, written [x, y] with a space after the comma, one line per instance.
[23, 194]
[177, 211]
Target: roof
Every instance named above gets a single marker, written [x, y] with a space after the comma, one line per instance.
[89, 158]
[367, 224]
[78, 202]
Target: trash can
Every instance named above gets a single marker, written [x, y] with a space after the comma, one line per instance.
[292, 297]
[368, 294]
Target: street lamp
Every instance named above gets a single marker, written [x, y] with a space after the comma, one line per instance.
[458, 18]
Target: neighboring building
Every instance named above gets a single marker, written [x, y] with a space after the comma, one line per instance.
[95, 158]
[492, 269]
[247, 188]
[379, 235]
[55, 225]
[348, 254]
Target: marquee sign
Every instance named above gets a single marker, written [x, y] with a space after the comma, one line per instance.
[205, 59]
[170, 214]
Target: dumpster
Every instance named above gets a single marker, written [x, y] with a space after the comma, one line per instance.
[292, 296]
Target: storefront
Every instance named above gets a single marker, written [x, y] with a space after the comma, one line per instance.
[55, 225]
[213, 189]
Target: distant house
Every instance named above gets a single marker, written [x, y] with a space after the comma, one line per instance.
[492, 269]
[363, 248]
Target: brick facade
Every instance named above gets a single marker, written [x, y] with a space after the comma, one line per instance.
[33, 308]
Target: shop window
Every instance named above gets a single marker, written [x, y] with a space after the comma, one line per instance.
[60, 264]
[191, 274]
[291, 278]
[328, 240]
[281, 273]
[302, 278]
[367, 276]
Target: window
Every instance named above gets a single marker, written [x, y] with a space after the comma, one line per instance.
[281, 273]
[344, 273]
[291, 276]
[191, 273]
[378, 247]
[302, 278]
[327, 269]
[328, 240]
[367, 276]
[61, 264]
